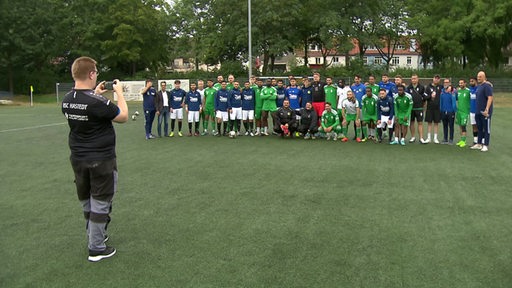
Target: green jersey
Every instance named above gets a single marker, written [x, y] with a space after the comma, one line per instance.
[369, 105]
[217, 86]
[230, 86]
[375, 89]
[463, 101]
[268, 96]
[330, 119]
[257, 94]
[330, 94]
[403, 104]
[209, 97]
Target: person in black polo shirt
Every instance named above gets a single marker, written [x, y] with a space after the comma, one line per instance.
[92, 141]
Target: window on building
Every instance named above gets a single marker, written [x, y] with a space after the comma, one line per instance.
[313, 47]
[409, 60]
[395, 61]
[335, 59]
[318, 60]
[365, 60]
[377, 60]
[399, 47]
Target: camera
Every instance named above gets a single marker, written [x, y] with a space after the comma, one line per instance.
[109, 85]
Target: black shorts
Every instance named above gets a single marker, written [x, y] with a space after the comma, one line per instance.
[417, 115]
[97, 179]
[433, 116]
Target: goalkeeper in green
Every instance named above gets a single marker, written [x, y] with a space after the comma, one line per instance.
[330, 123]
[463, 104]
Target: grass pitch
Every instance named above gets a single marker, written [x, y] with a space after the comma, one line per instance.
[257, 212]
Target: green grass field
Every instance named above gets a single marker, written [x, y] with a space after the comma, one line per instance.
[258, 212]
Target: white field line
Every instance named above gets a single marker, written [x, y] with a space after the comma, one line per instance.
[32, 127]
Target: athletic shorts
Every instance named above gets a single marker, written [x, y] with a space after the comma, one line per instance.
[401, 120]
[417, 115]
[351, 117]
[224, 115]
[209, 111]
[248, 114]
[461, 119]
[257, 114]
[433, 116]
[193, 116]
[384, 122]
[177, 113]
[368, 118]
[472, 118]
[236, 114]
[96, 179]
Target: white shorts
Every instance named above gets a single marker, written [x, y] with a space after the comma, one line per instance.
[177, 114]
[193, 116]
[472, 118]
[248, 114]
[384, 122]
[236, 113]
[222, 115]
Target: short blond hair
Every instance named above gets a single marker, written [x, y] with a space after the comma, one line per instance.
[81, 67]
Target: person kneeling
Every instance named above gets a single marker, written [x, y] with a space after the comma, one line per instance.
[286, 121]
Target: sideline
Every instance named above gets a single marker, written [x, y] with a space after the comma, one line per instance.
[32, 127]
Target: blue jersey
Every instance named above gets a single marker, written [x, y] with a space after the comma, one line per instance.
[447, 102]
[148, 99]
[177, 97]
[359, 91]
[307, 95]
[294, 94]
[482, 94]
[248, 98]
[222, 100]
[193, 100]
[472, 102]
[281, 93]
[385, 107]
[390, 88]
[235, 98]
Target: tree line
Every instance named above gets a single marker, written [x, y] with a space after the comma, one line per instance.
[41, 38]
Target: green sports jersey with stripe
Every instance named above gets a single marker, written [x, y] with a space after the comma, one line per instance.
[463, 101]
[369, 106]
[330, 94]
[403, 104]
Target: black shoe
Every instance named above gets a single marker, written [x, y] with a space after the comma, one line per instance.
[95, 256]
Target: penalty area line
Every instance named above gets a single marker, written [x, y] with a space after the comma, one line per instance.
[32, 127]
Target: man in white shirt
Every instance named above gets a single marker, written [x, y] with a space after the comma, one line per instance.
[162, 109]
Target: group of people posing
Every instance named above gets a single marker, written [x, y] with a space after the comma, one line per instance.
[326, 110]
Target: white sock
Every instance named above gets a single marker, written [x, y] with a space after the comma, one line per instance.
[435, 136]
[428, 136]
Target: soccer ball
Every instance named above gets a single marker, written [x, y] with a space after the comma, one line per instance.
[136, 113]
[134, 117]
[232, 134]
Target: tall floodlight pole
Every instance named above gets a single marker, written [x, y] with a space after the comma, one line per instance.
[250, 36]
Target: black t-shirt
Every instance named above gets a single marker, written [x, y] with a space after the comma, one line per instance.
[91, 135]
[318, 91]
